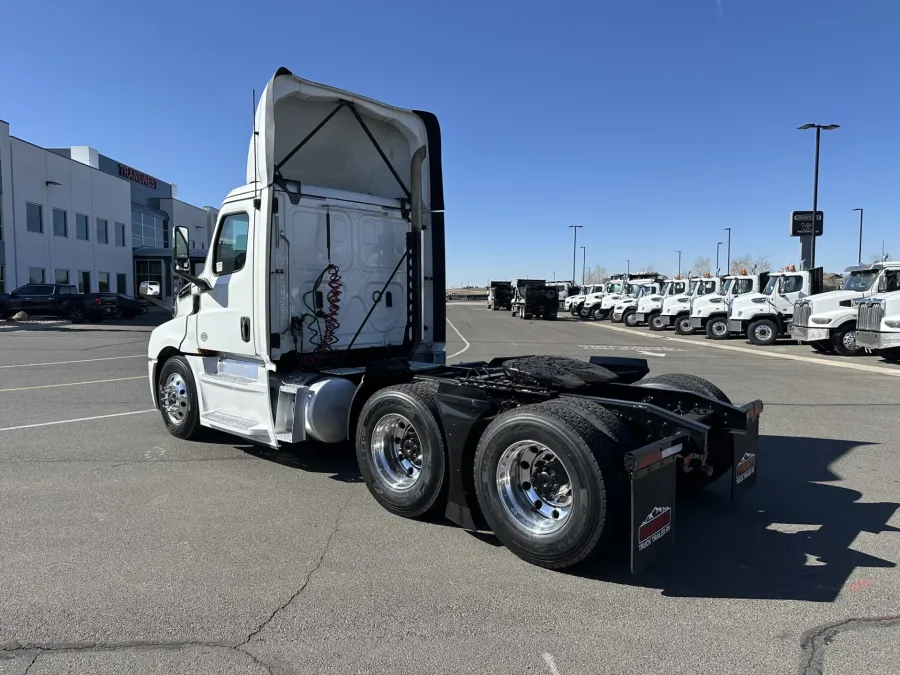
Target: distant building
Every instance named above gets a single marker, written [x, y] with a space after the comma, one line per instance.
[72, 215]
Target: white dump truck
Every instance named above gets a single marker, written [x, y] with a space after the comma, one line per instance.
[827, 322]
[878, 319]
[676, 311]
[574, 302]
[766, 316]
[709, 313]
[625, 310]
[649, 307]
[321, 316]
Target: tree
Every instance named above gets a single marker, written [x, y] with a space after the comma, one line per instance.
[596, 274]
[701, 266]
[748, 262]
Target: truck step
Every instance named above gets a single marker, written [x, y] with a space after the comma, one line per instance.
[231, 381]
[220, 419]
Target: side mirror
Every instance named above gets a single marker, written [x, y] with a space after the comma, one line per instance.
[883, 283]
[182, 254]
[781, 285]
[149, 289]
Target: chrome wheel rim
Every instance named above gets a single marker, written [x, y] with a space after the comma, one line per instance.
[534, 487]
[630, 319]
[849, 341]
[685, 325]
[174, 398]
[396, 452]
[657, 321]
[763, 333]
[719, 328]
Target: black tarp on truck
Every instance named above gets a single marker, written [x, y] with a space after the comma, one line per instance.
[534, 299]
[500, 295]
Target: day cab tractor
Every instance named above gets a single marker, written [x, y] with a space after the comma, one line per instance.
[766, 316]
[878, 321]
[500, 295]
[611, 287]
[676, 311]
[534, 299]
[601, 308]
[625, 310]
[649, 307]
[320, 317]
[828, 321]
[573, 303]
[709, 313]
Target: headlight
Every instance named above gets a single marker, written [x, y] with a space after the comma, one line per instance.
[892, 323]
[820, 320]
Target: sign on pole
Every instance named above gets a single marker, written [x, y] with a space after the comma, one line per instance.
[801, 223]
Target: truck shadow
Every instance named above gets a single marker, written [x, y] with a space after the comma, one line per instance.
[337, 459]
[788, 539]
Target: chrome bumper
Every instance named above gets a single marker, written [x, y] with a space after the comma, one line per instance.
[807, 334]
[876, 340]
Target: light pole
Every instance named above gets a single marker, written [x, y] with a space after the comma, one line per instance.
[583, 262]
[818, 128]
[574, 248]
[679, 262]
[627, 268]
[860, 234]
[728, 264]
[718, 244]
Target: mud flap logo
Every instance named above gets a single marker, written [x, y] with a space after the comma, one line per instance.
[745, 468]
[655, 526]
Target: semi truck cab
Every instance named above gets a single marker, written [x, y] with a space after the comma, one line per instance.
[828, 321]
[676, 311]
[878, 320]
[709, 313]
[649, 307]
[625, 310]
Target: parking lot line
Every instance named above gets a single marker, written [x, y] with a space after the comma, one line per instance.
[60, 363]
[79, 419]
[760, 352]
[461, 338]
[72, 384]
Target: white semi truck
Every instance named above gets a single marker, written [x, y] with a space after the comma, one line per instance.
[601, 308]
[709, 313]
[878, 320]
[583, 308]
[649, 307]
[321, 316]
[828, 321]
[766, 316]
[625, 310]
[676, 311]
[573, 302]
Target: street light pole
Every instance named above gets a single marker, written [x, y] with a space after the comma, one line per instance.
[679, 262]
[860, 234]
[574, 249]
[818, 128]
[627, 268]
[583, 262]
[728, 268]
[718, 244]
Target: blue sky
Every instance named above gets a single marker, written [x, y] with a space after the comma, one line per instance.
[655, 123]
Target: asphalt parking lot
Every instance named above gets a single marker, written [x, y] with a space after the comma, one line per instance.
[126, 550]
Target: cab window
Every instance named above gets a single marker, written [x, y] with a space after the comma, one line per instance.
[230, 247]
[793, 284]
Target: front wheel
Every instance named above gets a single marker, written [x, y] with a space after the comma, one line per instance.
[598, 314]
[400, 450]
[717, 328]
[177, 396]
[655, 321]
[683, 325]
[844, 341]
[763, 332]
[574, 310]
[76, 314]
[584, 312]
[629, 318]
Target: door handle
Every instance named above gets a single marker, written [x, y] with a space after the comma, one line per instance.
[245, 328]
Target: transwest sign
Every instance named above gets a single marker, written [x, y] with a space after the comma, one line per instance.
[137, 176]
[801, 223]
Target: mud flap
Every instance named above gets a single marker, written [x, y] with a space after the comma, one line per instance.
[652, 476]
[744, 460]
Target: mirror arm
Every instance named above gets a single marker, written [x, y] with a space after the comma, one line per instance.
[202, 284]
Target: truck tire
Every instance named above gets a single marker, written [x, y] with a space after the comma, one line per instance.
[717, 328]
[584, 312]
[400, 450]
[76, 313]
[629, 318]
[762, 332]
[552, 508]
[720, 457]
[176, 392]
[574, 310]
[597, 313]
[843, 341]
[654, 321]
[683, 325]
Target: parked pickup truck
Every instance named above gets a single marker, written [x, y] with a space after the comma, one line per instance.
[58, 300]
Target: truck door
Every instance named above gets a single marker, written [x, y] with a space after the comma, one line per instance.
[790, 292]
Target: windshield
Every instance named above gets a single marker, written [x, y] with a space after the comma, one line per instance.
[772, 285]
[631, 289]
[860, 280]
[742, 286]
[614, 288]
[666, 287]
[726, 289]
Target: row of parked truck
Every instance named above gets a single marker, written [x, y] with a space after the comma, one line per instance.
[864, 314]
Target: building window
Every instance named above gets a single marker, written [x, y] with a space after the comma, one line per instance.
[62, 277]
[34, 217]
[231, 246]
[120, 234]
[35, 275]
[147, 270]
[84, 281]
[60, 226]
[103, 282]
[121, 283]
[102, 231]
[149, 230]
[81, 226]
